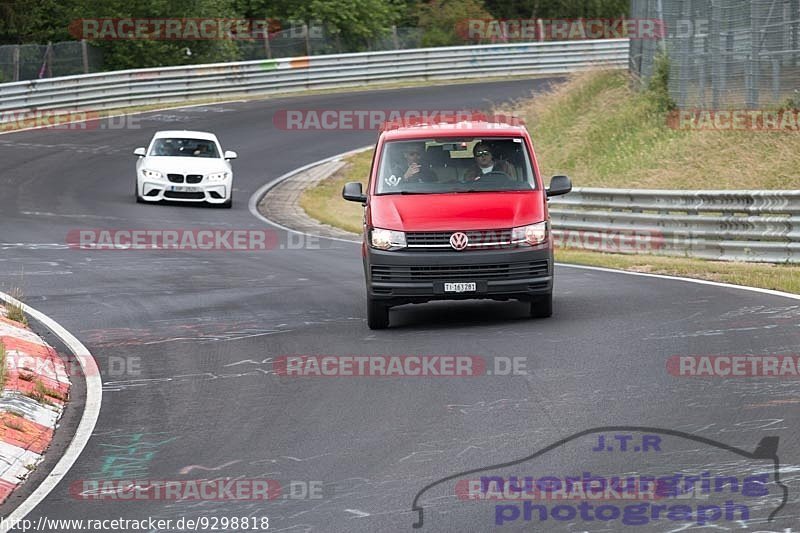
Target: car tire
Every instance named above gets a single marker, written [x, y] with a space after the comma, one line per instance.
[227, 203]
[542, 306]
[377, 314]
[139, 199]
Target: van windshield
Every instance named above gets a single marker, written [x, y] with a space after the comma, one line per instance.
[445, 165]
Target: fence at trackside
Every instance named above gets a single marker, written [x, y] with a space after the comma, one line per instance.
[759, 226]
[139, 87]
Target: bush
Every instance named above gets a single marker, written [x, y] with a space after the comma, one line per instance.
[658, 86]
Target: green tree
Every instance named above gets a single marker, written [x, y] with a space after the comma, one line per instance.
[558, 8]
[444, 21]
[137, 53]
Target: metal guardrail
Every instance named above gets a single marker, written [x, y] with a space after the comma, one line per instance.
[723, 225]
[177, 84]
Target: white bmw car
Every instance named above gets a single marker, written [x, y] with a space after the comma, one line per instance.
[184, 166]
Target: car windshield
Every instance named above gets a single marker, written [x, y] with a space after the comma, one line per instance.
[452, 165]
[174, 147]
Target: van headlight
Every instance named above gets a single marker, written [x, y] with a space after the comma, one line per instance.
[532, 234]
[385, 239]
[217, 176]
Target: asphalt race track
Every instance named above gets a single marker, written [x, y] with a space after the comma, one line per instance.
[199, 330]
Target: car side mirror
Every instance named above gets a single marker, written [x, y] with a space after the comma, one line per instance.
[229, 154]
[559, 185]
[354, 193]
[141, 152]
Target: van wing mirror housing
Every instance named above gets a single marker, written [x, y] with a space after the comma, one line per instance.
[559, 185]
[141, 152]
[353, 192]
[230, 154]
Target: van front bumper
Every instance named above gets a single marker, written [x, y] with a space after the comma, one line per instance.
[399, 277]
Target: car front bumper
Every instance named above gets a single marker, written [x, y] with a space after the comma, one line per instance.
[403, 276]
[155, 191]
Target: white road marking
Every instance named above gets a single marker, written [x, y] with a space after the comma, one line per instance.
[94, 398]
[356, 512]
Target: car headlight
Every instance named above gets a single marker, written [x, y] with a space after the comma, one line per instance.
[385, 239]
[152, 174]
[532, 234]
[218, 176]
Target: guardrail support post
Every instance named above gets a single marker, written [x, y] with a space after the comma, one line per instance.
[267, 48]
[85, 56]
[15, 60]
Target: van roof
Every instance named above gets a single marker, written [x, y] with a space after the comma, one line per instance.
[450, 124]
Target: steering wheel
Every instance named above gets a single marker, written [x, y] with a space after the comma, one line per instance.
[494, 177]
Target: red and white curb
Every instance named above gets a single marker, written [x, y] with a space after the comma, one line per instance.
[32, 401]
[30, 410]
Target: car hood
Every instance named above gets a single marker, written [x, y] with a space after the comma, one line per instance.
[457, 211]
[185, 165]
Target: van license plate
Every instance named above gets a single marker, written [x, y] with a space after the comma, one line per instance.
[178, 188]
[460, 287]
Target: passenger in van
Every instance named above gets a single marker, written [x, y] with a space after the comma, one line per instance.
[485, 163]
[414, 170]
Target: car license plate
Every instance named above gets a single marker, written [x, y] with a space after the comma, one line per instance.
[179, 188]
[460, 287]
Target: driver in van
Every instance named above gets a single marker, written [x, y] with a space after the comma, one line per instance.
[485, 163]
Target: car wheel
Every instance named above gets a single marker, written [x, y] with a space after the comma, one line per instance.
[542, 306]
[139, 199]
[377, 314]
[227, 203]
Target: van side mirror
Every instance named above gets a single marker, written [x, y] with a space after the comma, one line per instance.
[353, 192]
[559, 185]
[230, 154]
[141, 152]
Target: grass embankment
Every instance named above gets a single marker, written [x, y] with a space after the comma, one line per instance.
[597, 130]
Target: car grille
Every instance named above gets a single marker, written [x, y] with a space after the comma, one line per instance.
[194, 178]
[175, 178]
[184, 195]
[441, 239]
[506, 271]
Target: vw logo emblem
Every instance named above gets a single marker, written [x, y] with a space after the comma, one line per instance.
[459, 240]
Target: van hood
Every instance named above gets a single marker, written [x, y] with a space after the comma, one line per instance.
[456, 211]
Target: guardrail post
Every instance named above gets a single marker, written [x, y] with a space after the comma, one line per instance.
[751, 80]
[85, 56]
[15, 60]
[685, 62]
[267, 48]
[776, 79]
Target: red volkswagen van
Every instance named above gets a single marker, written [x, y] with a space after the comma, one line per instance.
[456, 210]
